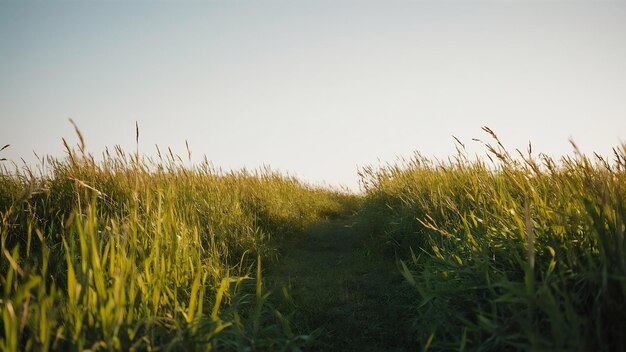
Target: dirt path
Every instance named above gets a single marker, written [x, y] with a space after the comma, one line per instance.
[354, 298]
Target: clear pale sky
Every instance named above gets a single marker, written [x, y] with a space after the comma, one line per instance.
[315, 88]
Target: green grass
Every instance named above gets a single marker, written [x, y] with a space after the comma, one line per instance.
[522, 253]
[134, 253]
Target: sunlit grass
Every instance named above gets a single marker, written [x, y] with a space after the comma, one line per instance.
[522, 252]
[517, 252]
[133, 253]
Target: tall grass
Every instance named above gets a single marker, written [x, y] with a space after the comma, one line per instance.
[522, 252]
[138, 253]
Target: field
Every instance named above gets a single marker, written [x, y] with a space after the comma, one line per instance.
[126, 252]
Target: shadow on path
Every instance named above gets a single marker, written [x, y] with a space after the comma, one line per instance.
[356, 299]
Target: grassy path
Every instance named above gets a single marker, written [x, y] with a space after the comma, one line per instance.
[352, 297]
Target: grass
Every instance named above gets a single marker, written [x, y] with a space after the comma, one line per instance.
[524, 253]
[520, 252]
[132, 253]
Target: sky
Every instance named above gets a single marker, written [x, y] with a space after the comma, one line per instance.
[313, 88]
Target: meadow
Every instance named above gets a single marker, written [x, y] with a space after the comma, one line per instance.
[129, 252]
